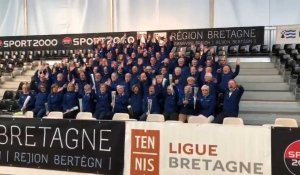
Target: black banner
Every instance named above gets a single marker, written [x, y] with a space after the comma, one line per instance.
[285, 151]
[71, 145]
[214, 36]
[60, 42]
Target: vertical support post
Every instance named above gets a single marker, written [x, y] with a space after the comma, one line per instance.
[112, 15]
[211, 13]
[25, 17]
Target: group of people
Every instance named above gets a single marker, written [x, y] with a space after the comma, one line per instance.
[139, 78]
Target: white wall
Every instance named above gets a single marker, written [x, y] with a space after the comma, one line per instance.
[86, 16]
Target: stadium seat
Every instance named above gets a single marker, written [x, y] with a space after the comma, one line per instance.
[155, 118]
[120, 116]
[281, 52]
[264, 49]
[9, 95]
[233, 121]
[294, 53]
[244, 49]
[27, 114]
[173, 121]
[233, 49]
[276, 48]
[284, 58]
[286, 122]
[55, 115]
[255, 48]
[198, 119]
[297, 46]
[288, 47]
[85, 116]
[221, 53]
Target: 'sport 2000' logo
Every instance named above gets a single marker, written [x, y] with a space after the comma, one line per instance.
[292, 157]
[144, 152]
[67, 41]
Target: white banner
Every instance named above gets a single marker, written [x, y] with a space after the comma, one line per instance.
[288, 34]
[190, 149]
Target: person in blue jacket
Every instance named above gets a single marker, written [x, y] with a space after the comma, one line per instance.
[186, 104]
[88, 100]
[55, 99]
[103, 107]
[136, 102]
[206, 103]
[121, 101]
[232, 97]
[39, 110]
[170, 104]
[150, 103]
[25, 94]
[227, 74]
[70, 101]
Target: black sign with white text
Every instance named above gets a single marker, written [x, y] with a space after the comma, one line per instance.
[71, 145]
[214, 36]
[285, 151]
[64, 41]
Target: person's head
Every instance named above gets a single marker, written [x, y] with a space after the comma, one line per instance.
[163, 71]
[177, 71]
[157, 55]
[194, 62]
[197, 55]
[120, 90]
[208, 70]
[159, 79]
[208, 63]
[187, 89]
[152, 60]
[170, 90]
[140, 61]
[151, 90]
[59, 77]
[42, 87]
[193, 70]
[205, 90]
[54, 88]
[120, 70]
[171, 55]
[190, 81]
[134, 69]
[148, 69]
[114, 76]
[226, 69]
[133, 55]
[71, 87]
[87, 88]
[25, 88]
[98, 77]
[103, 88]
[82, 76]
[223, 61]
[181, 62]
[135, 89]
[143, 76]
[208, 77]
[127, 77]
[232, 85]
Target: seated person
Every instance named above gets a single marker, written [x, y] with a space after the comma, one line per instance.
[40, 100]
[206, 103]
[54, 100]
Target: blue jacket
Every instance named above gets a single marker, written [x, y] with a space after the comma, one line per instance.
[207, 105]
[40, 100]
[103, 102]
[224, 78]
[231, 104]
[155, 109]
[136, 102]
[121, 104]
[81, 84]
[22, 99]
[70, 100]
[55, 101]
[170, 104]
[189, 108]
[88, 103]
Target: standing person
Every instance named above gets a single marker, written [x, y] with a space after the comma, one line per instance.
[26, 99]
[55, 99]
[103, 107]
[88, 104]
[136, 102]
[150, 103]
[206, 103]
[40, 100]
[121, 101]
[231, 102]
[170, 104]
[186, 103]
[70, 102]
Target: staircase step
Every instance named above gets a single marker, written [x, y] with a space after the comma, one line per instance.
[255, 65]
[269, 106]
[260, 118]
[259, 72]
[259, 78]
[265, 86]
[22, 78]
[268, 96]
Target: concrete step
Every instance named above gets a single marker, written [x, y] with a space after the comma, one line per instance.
[10, 85]
[259, 78]
[23, 78]
[262, 118]
[29, 73]
[255, 65]
[268, 96]
[259, 72]
[269, 106]
[266, 86]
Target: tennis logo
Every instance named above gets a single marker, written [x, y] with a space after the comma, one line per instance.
[145, 152]
[292, 157]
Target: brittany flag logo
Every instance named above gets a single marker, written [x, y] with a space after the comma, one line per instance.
[288, 34]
